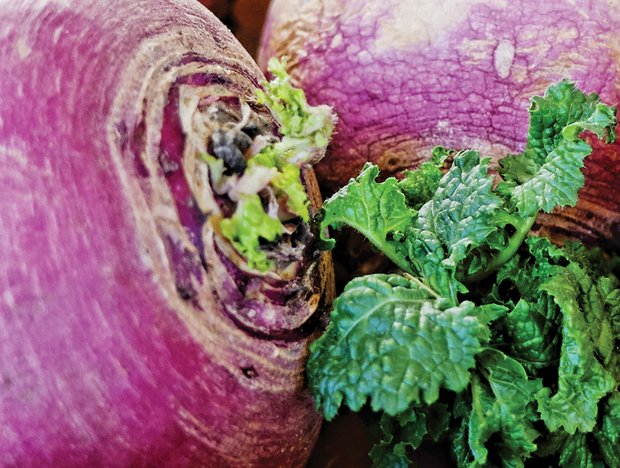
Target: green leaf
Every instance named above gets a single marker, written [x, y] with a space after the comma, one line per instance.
[401, 433]
[461, 213]
[524, 273]
[582, 379]
[305, 129]
[391, 341]
[460, 216]
[594, 259]
[287, 184]
[460, 444]
[378, 211]
[247, 226]
[568, 450]
[610, 290]
[532, 358]
[405, 432]
[502, 408]
[563, 113]
[437, 420]
[390, 455]
[557, 181]
[488, 313]
[517, 169]
[532, 331]
[608, 434]
[305, 132]
[575, 452]
[420, 185]
[601, 122]
[554, 145]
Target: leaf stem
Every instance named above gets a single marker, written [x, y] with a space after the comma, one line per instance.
[385, 248]
[399, 260]
[422, 285]
[514, 243]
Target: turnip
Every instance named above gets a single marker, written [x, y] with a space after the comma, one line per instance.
[132, 330]
[404, 76]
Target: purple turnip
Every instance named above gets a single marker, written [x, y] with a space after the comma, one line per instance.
[131, 331]
[406, 76]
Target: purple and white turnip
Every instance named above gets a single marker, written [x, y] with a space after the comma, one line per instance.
[406, 76]
[131, 333]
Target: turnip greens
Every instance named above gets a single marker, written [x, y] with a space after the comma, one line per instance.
[490, 337]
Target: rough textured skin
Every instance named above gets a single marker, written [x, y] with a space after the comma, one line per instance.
[119, 345]
[405, 76]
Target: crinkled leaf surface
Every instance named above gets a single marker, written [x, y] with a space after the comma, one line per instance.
[459, 217]
[535, 363]
[554, 145]
[247, 226]
[405, 432]
[502, 408]
[608, 434]
[400, 433]
[582, 379]
[419, 185]
[378, 210]
[392, 342]
[306, 129]
[575, 452]
[531, 326]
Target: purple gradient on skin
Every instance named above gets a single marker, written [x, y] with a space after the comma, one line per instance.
[99, 364]
[447, 90]
[279, 293]
[250, 312]
[449, 86]
[204, 79]
[187, 269]
[189, 58]
[136, 145]
[172, 146]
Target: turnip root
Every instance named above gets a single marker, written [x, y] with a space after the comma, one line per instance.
[405, 76]
[131, 331]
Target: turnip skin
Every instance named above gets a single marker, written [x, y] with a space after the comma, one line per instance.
[405, 76]
[102, 360]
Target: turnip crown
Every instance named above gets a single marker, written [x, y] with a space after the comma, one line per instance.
[258, 201]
